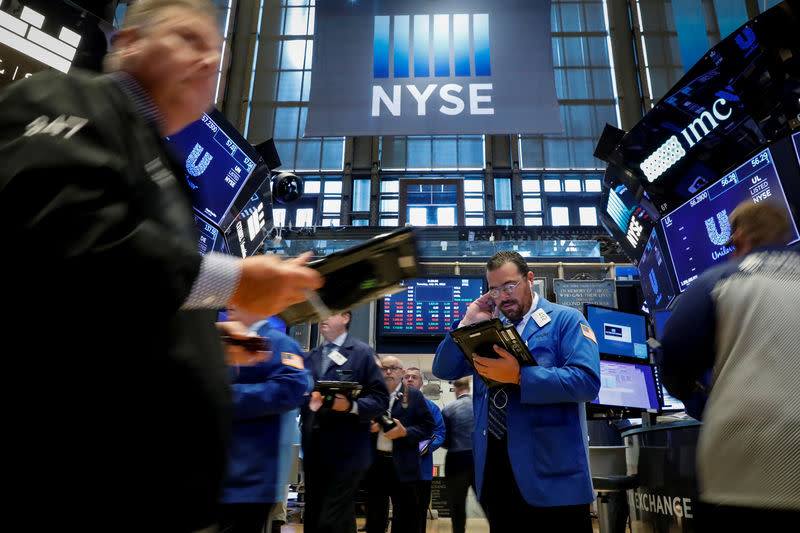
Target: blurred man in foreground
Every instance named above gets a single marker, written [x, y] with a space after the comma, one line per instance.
[741, 319]
[127, 402]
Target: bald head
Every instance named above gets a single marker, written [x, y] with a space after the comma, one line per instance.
[392, 372]
[755, 225]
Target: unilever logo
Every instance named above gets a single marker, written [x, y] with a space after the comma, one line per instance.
[409, 48]
[721, 236]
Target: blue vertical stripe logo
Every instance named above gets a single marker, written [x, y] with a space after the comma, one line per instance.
[618, 211]
[447, 45]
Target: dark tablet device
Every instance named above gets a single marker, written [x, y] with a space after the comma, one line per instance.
[480, 339]
[367, 271]
[348, 389]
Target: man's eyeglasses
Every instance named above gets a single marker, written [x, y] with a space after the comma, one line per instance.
[508, 288]
[392, 368]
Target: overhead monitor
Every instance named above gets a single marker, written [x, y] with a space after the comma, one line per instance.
[618, 333]
[696, 232]
[429, 306]
[628, 387]
[656, 275]
[624, 218]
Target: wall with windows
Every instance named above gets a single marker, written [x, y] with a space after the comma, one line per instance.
[526, 180]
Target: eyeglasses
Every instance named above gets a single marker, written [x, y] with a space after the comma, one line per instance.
[508, 288]
[392, 368]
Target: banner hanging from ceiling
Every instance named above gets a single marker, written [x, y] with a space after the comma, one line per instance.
[383, 67]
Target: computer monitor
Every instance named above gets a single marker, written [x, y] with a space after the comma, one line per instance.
[655, 275]
[428, 307]
[618, 334]
[626, 388]
[669, 402]
[696, 232]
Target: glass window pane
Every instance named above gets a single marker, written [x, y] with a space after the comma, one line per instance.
[330, 222]
[446, 216]
[532, 152]
[473, 204]
[418, 216]
[360, 222]
[473, 185]
[304, 217]
[559, 216]
[531, 186]
[533, 221]
[308, 153]
[286, 125]
[502, 194]
[474, 221]
[361, 194]
[504, 221]
[309, 52]
[390, 186]
[279, 216]
[445, 153]
[532, 204]
[289, 86]
[470, 152]
[331, 206]
[389, 222]
[419, 153]
[293, 54]
[389, 206]
[588, 216]
[593, 186]
[296, 21]
[393, 152]
[332, 154]
[552, 185]
[572, 185]
[311, 187]
[333, 187]
[286, 151]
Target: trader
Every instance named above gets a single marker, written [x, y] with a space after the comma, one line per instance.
[740, 318]
[120, 395]
[530, 446]
[337, 447]
[459, 468]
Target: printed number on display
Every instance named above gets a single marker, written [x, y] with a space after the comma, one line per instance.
[43, 125]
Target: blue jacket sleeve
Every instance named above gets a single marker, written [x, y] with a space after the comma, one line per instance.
[575, 377]
[687, 344]
[282, 389]
[449, 362]
[439, 431]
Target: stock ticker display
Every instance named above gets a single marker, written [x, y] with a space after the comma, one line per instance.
[428, 306]
[696, 232]
[655, 275]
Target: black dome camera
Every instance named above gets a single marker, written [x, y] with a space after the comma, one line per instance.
[286, 188]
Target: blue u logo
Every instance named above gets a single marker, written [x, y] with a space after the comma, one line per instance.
[431, 37]
[192, 166]
[721, 236]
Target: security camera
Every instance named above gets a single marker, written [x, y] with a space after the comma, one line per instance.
[286, 188]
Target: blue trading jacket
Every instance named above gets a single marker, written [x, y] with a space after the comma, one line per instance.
[438, 439]
[546, 420]
[261, 394]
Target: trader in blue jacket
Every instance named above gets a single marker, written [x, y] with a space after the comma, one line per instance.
[529, 443]
[413, 378]
[265, 385]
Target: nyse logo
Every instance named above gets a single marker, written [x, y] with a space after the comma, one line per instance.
[411, 48]
[635, 229]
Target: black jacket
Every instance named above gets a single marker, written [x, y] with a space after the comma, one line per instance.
[119, 400]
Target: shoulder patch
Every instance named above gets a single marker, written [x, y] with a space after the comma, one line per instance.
[588, 333]
[292, 359]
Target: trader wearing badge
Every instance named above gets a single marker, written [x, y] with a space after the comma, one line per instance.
[337, 449]
[529, 443]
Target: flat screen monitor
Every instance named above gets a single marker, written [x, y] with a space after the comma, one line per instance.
[670, 403]
[429, 306]
[217, 165]
[620, 334]
[696, 232]
[655, 275]
[627, 385]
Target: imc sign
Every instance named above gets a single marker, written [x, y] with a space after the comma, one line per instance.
[382, 67]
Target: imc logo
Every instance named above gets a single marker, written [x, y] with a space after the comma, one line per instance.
[431, 46]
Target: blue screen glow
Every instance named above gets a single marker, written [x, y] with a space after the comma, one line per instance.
[655, 275]
[618, 333]
[627, 385]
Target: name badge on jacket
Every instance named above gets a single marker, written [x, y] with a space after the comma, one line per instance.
[337, 358]
[541, 317]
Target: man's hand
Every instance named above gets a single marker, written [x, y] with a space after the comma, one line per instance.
[269, 284]
[505, 369]
[374, 427]
[315, 402]
[481, 309]
[396, 432]
[340, 403]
